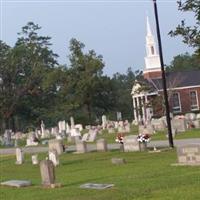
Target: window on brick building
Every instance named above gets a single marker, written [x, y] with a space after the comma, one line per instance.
[176, 103]
[193, 100]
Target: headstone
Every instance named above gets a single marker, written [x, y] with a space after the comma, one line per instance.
[56, 145]
[131, 143]
[81, 147]
[198, 116]
[179, 125]
[118, 161]
[7, 137]
[189, 154]
[196, 123]
[119, 116]
[47, 171]
[42, 129]
[17, 183]
[104, 121]
[72, 122]
[158, 124]
[190, 116]
[35, 159]
[102, 145]
[75, 132]
[61, 126]
[19, 156]
[53, 156]
[85, 137]
[97, 186]
[79, 126]
[92, 135]
[111, 130]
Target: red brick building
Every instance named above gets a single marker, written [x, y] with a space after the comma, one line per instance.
[183, 88]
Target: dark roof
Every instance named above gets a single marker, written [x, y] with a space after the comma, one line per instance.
[177, 79]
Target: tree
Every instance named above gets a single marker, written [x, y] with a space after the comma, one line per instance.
[184, 62]
[190, 34]
[24, 71]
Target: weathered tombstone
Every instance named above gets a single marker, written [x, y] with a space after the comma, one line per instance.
[17, 183]
[19, 156]
[119, 116]
[42, 129]
[7, 137]
[179, 125]
[102, 145]
[118, 161]
[81, 147]
[47, 171]
[189, 154]
[92, 135]
[85, 137]
[62, 127]
[57, 145]
[72, 122]
[104, 121]
[158, 124]
[190, 116]
[53, 156]
[131, 143]
[34, 159]
[196, 123]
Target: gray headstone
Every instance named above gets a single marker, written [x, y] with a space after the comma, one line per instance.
[56, 145]
[189, 154]
[158, 124]
[16, 183]
[81, 147]
[118, 161]
[34, 159]
[131, 143]
[19, 156]
[179, 125]
[97, 186]
[196, 123]
[47, 172]
[53, 156]
[102, 145]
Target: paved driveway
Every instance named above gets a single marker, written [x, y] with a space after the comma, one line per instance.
[92, 147]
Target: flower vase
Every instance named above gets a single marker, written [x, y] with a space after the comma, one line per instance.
[143, 146]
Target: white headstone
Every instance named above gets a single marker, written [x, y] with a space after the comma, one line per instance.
[53, 156]
[19, 156]
[35, 159]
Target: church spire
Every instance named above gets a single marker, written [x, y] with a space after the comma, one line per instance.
[152, 60]
[149, 33]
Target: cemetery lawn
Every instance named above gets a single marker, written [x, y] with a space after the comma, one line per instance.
[193, 133]
[144, 176]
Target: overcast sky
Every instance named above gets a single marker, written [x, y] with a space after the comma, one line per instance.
[114, 29]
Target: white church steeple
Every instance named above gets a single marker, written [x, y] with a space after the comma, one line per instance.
[152, 60]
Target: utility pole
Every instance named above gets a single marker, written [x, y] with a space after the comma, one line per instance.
[171, 144]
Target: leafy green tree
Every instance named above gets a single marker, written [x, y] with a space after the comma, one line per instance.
[190, 34]
[23, 74]
[184, 62]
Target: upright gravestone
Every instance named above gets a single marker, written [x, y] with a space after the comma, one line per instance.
[72, 122]
[104, 121]
[19, 156]
[42, 129]
[62, 127]
[189, 154]
[56, 145]
[179, 125]
[7, 137]
[53, 156]
[47, 173]
[34, 159]
[81, 147]
[131, 143]
[102, 145]
[92, 135]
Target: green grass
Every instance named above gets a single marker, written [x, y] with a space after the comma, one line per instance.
[144, 176]
[192, 133]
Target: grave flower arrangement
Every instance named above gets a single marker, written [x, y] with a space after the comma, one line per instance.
[143, 138]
